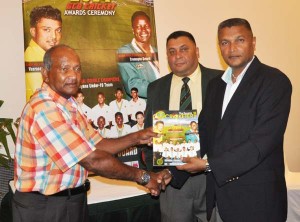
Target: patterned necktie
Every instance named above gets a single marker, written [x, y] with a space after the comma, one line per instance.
[185, 95]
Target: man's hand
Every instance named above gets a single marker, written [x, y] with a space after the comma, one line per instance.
[146, 136]
[164, 178]
[158, 182]
[193, 164]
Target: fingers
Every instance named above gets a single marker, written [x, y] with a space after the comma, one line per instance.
[193, 165]
[153, 186]
[164, 178]
[181, 167]
[159, 181]
[154, 192]
[186, 159]
[146, 136]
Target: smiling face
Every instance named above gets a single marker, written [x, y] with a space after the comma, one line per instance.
[140, 119]
[237, 46]
[119, 120]
[160, 127]
[101, 122]
[79, 98]
[64, 75]
[141, 28]
[101, 99]
[182, 56]
[194, 126]
[134, 94]
[47, 33]
[119, 95]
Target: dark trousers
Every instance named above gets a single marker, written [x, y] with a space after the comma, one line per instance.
[32, 207]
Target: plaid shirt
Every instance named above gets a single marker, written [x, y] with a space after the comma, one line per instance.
[53, 137]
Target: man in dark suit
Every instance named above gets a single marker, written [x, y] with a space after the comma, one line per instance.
[185, 199]
[242, 127]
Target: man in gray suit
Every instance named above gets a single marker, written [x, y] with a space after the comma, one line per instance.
[184, 200]
[242, 127]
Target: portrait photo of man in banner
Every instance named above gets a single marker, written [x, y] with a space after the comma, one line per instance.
[116, 43]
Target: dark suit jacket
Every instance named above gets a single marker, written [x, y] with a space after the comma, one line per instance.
[245, 147]
[158, 99]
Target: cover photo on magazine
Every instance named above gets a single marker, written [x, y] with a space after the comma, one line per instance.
[178, 138]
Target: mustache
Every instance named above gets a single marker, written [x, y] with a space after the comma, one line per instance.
[71, 81]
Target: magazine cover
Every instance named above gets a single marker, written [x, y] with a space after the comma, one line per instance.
[178, 138]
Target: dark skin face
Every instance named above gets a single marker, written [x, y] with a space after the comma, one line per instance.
[64, 76]
[101, 123]
[141, 28]
[101, 99]
[119, 95]
[237, 45]
[119, 120]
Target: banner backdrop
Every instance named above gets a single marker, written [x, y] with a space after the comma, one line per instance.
[116, 42]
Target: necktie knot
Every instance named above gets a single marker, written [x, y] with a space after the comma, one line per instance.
[186, 80]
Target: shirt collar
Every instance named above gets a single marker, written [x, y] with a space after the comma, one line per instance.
[192, 77]
[133, 42]
[69, 103]
[228, 72]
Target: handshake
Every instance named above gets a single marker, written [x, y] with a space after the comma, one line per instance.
[154, 182]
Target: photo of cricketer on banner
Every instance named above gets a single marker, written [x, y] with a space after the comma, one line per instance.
[116, 41]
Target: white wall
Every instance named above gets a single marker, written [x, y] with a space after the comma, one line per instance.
[274, 22]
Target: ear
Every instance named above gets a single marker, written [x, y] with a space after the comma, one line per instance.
[254, 43]
[45, 75]
[32, 32]
[197, 52]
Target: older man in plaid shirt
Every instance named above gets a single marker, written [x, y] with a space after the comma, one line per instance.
[56, 147]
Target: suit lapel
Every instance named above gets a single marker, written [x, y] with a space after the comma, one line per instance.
[220, 92]
[164, 90]
[204, 81]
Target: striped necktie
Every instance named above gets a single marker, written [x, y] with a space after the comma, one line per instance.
[185, 95]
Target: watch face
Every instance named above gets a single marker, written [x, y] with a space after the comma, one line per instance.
[145, 178]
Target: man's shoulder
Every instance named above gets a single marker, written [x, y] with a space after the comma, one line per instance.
[125, 101]
[127, 127]
[210, 72]
[34, 53]
[267, 73]
[128, 48]
[95, 107]
[113, 102]
[162, 80]
[141, 100]
[41, 101]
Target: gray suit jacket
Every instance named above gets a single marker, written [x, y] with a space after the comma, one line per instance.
[158, 99]
[245, 147]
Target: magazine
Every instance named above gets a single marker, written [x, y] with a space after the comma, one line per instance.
[178, 137]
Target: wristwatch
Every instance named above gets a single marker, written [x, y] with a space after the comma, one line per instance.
[207, 167]
[145, 178]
